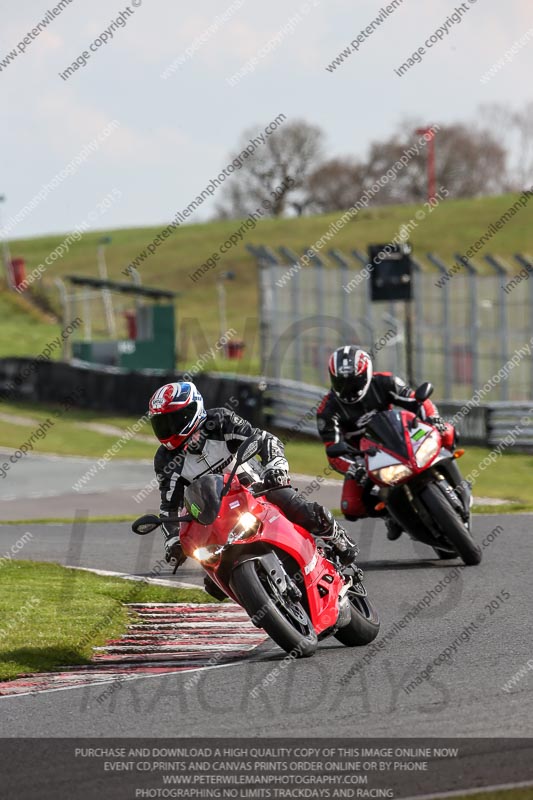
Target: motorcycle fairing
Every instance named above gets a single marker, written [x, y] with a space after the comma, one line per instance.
[317, 573]
[387, 430]
[380, 450]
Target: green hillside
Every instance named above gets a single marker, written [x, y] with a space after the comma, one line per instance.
[23, 333]
[452, 227]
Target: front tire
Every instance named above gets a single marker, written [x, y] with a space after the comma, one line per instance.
[285, 621]
[364, 622]
[445, 555]
[451, 525]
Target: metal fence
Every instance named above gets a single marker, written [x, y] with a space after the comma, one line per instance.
[466, 326]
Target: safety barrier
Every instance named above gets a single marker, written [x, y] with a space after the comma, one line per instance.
[285, 405]
[117, 390]
[291, 406]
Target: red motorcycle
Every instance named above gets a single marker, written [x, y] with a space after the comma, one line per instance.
[412, 466]
[291, 586]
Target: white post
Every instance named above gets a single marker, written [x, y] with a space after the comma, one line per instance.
[106, 294]
[222, 308]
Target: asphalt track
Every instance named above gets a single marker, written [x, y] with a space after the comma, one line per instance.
[334, 693]
[41, 487]
[484, 611]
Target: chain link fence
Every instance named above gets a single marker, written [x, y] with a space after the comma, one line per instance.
[465, 326]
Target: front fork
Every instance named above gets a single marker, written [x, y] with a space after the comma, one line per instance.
[452, 484]
[461, 487]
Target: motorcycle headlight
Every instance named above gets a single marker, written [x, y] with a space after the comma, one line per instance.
[394, 474]
[207, 554]
[427, 450]
[248, 524]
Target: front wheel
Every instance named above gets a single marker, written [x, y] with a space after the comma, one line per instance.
[451, 525]
[285, 620]
[363, 626]
[445, 555]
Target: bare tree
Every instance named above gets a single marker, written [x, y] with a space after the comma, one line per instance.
[469, 162]
[406, 184]
[275, 176]
[335, 185]
[286, 175]
[514, 130]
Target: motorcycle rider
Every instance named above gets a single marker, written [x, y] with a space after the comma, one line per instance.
[356, 391]
[195, 441]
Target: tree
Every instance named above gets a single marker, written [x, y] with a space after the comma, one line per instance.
[514, 129]
[406, 184]
[276, 173]
[335, 185]
[286, 174]
[469, 162]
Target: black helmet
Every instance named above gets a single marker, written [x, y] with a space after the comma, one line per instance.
[350, 370]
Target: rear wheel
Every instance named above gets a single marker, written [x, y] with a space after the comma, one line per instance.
[363, 626]
[451, 525]
[285, 620]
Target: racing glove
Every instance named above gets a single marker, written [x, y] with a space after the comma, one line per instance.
[357, 472]
[437, 421]
[276, 473]
[173, 549]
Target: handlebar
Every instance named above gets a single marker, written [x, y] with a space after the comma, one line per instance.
[343, 449]
[266, 491]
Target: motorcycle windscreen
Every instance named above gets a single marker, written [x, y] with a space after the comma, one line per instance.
[202, 498]
[387, 429]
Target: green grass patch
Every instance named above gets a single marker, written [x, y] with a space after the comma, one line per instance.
[504, 508]
[508, 478]
[52, 616]
[68, 436]
[23, 333]
[453, 227]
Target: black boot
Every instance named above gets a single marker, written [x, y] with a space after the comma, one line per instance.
[335, 536]
[346, 550]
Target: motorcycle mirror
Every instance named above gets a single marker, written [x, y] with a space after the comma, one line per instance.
[424, 391]
[248, 449]
[146, 524]
[336, 450]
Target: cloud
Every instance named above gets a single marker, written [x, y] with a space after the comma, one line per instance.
[81, 122]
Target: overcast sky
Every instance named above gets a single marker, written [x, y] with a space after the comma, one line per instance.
[175, 134]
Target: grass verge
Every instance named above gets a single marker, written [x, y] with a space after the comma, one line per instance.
[457, 224]
[52, 616]
[23, 331]
[68, 436]
[508, 478]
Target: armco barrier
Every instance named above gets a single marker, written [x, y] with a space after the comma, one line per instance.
[510, 420]
[282, 404]
[112, 389]
[290, 405]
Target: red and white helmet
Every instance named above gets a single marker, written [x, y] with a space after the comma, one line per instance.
[350, 370]
[176, 411]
